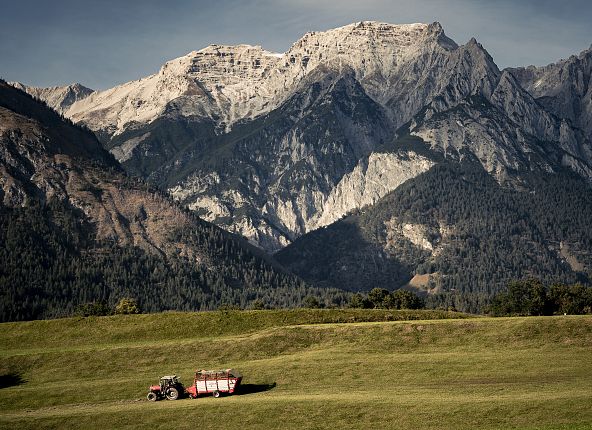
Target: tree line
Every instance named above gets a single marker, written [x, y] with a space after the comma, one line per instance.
[532, 297]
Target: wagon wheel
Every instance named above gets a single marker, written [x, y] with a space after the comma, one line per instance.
[216, 394]
[152, 396]
[172, 393]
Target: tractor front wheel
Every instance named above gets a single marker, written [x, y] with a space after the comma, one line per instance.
[152, 396]
[172, 393]
[216, 394]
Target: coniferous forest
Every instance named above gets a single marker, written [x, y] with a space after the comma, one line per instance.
[51, 265]
[485, 235]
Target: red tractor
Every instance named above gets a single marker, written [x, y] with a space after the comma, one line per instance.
[214, 382]
[170, 388]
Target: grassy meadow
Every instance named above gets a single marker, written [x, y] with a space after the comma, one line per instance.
[315, 369]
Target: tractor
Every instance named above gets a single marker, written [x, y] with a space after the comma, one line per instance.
[170, 388]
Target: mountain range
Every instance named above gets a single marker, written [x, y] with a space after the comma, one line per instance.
[330, 155]
[76, 228]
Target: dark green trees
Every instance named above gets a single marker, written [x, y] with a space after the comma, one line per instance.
[531, 297]
[381, 298]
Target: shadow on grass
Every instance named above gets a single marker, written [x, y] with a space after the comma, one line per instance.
[11, 380]
[254, 388]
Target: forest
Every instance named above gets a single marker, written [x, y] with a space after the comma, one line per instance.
[484, 235]
[51, 265]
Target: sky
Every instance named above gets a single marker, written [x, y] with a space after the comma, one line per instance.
[104, 43]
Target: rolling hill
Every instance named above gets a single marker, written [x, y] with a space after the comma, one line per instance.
[320, 369]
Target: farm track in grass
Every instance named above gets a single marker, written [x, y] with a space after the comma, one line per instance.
[304, 369]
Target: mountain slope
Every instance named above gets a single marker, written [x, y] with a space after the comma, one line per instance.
[272, 146]
[75, 228]
[456, 234]
[58, 98]
[564, 88]
[278, 169]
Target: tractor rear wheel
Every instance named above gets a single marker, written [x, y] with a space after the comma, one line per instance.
[152, 396]
[172, 393]
[216, 394]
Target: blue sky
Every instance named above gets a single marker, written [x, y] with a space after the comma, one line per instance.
[103, 43]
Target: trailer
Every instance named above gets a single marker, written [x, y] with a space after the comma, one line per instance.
[215, 382]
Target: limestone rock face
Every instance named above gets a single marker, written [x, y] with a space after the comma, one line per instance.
[371, 179]
[272, 182]
[564, 88]
[274, 145]
[58, 98]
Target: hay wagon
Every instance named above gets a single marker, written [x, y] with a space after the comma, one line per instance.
[215, 382]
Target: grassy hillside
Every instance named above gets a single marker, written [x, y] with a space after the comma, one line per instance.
[303, 369]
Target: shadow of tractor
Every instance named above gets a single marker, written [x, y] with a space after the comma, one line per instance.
[253, 388]
[11, 380]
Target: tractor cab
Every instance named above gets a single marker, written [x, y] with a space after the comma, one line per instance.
[167, 381]
[169, 387]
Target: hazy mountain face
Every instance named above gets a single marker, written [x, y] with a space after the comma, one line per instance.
[58, 98]
[273, 146]
[563, 88]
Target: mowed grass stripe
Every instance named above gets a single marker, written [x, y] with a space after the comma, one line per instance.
[183, 325]
[331, 411]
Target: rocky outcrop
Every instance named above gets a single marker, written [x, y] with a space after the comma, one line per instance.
[373, 178]
[272, 146]
[564, 88]
[58, 98]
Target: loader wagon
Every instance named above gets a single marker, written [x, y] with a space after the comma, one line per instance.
[215, 382]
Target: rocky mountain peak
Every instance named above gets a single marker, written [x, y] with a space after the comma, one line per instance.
[368, 47]
[227, 84]
[244, 61]
[274, 145]
[563, 88]
[59, 98]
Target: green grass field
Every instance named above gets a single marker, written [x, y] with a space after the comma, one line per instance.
[312, 369]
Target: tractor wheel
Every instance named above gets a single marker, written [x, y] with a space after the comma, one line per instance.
[216, 394]
[152, 396]
[172, 393]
